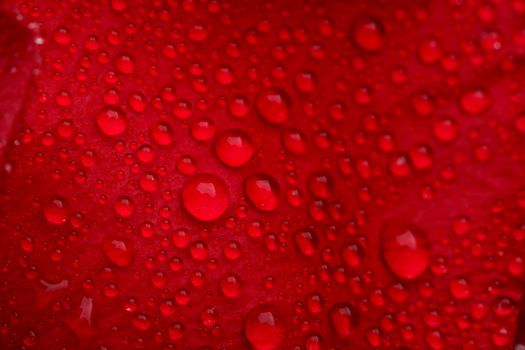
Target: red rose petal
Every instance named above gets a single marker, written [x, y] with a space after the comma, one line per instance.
[353, 116]
[17, 61]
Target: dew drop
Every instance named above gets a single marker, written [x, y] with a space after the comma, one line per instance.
[406, 249]
[306, 82]
[239, 107]
[124, 207]
[352, 254]
[230, 286]
[475, 101]
[306, 241]
[205, 197]
[460, 288]
[111, 120]
[344, 319]
[273, 105]
[125, 63]
[176, 331]
[56, 211]
[368, 34]
[263, 191]
[137, 102]
[234, 148]
[294, 141]
[321, 184]
[149, 182]
[264, 327]
[203, 129]
[118, 250]
[145, 154]
[445, 129]
[141, 322]
[162, 133]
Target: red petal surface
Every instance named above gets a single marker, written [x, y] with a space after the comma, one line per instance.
[17, 61]
[262, 175]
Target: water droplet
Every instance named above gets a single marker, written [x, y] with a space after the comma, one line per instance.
[306, 82]
[118, 250]
[176, 331]
[125, 63]
[429, 51]
[209, 316]
[264, 327]
[368, 33]
[263, 191]
[314, 342]
[352, 254]
[124, 207]
[231, 286]
[460, 288]
[234, 148]
[141, 322]
[315, 303]
[306, 241]
[205, 197]
[203, 129]
[294, 141]
[149, 182]
[56, 211]
[162, 133]
[344, 318]
[406, 249]
[112, 121]
[30, 339]
[273, 105]
[137, 102]
[145, 154]
[239, 106]
[321, 184]
[62, 35]
[421, 156]
[475, 101]
[199, 250]
[445, 129]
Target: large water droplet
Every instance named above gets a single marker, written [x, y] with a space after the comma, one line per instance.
[306, 241]
[205, 197]
[273, 105]
[264, 327]
[231, 286]
[125, 63]
[475, 101]
[368, 33]
[124, 207]
[344, 318]
[406, 249]
[234, 148]
[162, 133]
[56, 211]
[118, 250]
[112, 121]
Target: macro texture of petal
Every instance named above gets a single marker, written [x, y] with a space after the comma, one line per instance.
[262, 174]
